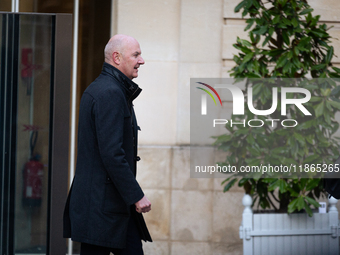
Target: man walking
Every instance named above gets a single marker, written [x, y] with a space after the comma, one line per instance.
[104, 206]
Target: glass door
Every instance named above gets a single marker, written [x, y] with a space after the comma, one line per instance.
[32, 133]
[33, 88]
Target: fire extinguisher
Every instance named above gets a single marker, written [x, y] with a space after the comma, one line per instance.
[32, 176]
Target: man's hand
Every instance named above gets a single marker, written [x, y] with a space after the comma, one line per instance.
[143, 205]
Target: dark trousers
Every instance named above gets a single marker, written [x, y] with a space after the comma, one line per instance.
[133, 245]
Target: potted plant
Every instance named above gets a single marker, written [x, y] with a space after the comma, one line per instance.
[285, 41]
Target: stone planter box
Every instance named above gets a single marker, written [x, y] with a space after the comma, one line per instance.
[288, 234]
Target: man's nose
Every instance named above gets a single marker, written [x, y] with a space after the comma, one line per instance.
[141, 61]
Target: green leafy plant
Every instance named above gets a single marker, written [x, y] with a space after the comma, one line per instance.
[285, 41]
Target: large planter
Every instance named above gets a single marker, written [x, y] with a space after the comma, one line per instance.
[288, 234]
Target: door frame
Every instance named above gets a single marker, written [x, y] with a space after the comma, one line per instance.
[59, 126]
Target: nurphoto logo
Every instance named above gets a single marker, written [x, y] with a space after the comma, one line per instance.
[238, 100]
[204, 97]
[270, 127]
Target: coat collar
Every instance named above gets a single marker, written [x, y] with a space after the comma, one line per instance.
[131, 89]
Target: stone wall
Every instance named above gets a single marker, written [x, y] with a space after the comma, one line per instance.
[183, 39]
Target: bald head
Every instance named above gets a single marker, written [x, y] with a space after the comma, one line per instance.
[123, 52]
[117, 43]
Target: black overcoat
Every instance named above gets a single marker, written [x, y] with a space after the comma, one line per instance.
[104, 188]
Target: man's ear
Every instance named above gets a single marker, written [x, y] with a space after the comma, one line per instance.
[116, 57]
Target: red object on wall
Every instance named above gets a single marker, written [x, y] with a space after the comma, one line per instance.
[26, 61]
[33, 174]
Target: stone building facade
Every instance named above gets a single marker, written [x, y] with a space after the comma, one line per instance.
[183, 39]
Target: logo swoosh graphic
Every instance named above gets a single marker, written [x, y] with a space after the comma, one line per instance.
[208, 93]
[212, 90]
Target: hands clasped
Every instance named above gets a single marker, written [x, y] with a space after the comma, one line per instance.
[143, 205]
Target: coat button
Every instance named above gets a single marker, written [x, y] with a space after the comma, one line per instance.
[138, 158]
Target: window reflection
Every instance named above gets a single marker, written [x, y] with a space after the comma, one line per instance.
[32, 134]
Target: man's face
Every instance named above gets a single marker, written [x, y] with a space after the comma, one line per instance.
[131, 59]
